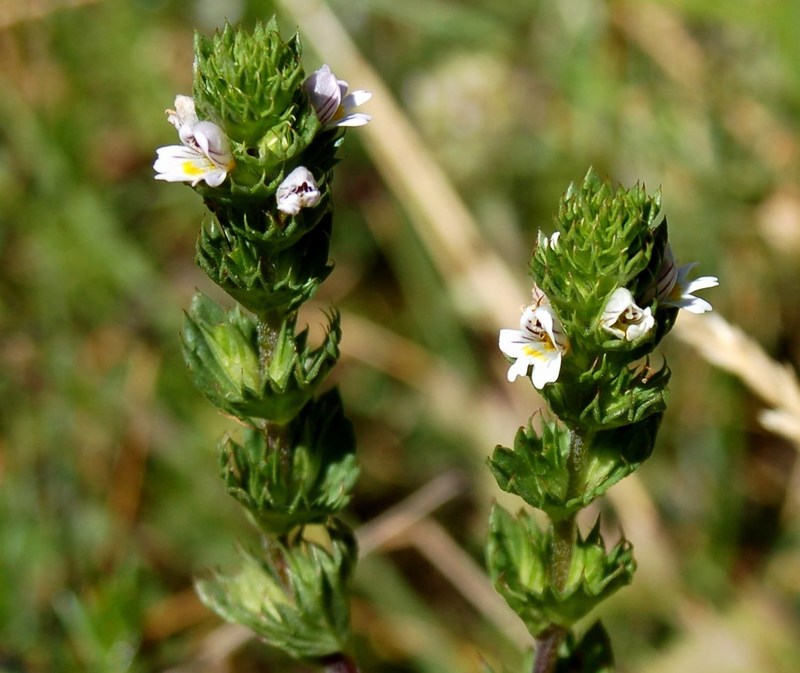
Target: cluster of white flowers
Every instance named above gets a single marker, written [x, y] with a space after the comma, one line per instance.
[205, 154]
[540, 342]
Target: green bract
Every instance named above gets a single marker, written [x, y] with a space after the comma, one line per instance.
[224, 356]
[265, 282]
[249, 82]
[295, 597]
[519, 556]
[538, 468]
[282, 490]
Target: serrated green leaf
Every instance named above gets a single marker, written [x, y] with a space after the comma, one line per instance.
[222, 352]
[307, 479]
[295, 597]
[519, 558]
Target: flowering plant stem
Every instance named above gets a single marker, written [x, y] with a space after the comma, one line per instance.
[606, 291]
[258, 142]
[565, 531]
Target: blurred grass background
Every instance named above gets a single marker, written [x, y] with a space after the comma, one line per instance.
[484, 112]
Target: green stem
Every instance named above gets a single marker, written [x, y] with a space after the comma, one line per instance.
[268, 332]
[565, 531]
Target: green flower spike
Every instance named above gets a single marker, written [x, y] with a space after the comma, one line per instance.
[258, 143]
[606, 290]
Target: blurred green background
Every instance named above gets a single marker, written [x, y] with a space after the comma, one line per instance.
[109, 498]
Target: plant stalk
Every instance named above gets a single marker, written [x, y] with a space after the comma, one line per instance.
[564, 533]
[268, 333]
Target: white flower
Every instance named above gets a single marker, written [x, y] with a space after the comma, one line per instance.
[334, 107]
[298, 190]
[673, 287]
[538, 343]
[204, 155]
[623, 318]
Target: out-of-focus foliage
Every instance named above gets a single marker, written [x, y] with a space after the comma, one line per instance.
[110, 500]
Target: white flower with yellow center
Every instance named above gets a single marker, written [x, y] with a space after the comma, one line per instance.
[538, 344]
[298, 190]
[330, 100]
[204, 155]
[672, 286]
[623, 318]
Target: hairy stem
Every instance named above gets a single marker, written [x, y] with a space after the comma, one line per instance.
[547, 649]
[268, 333]
[564, 533]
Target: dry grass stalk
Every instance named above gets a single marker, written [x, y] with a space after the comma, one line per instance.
[730, 349]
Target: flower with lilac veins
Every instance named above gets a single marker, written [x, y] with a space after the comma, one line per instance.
[673, 287]
[298, 190]
[204, 155]
[330, 100]
[624, 319]
[539, 343]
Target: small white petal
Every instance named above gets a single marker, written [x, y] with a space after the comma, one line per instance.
[213, 142]
[681, 294]
[356, 98]
[205, 154]
[692, 304]
[298, 190]
[539, 298]
[328, 98]
[355, 119]
[623, 318]
[184, 113]
[519, 368]
[178, 163]
[324, 92]
[702, 283]
[546, 371]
